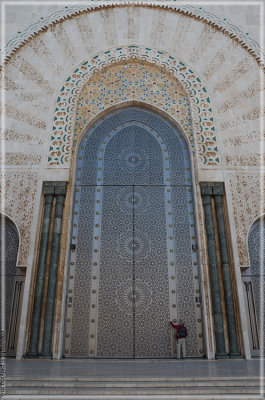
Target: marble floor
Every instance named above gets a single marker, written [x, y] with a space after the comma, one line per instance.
[128, 369]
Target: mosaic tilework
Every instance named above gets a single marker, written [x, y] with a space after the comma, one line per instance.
[256, 247]
[205, 140]
[133, 226]
[188, 10]
[133, 81]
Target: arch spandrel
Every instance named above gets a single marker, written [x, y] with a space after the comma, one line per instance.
[197, 116]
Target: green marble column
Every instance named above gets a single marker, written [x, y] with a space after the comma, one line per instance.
[50, 301]
[206, 192]
[38, 297]
[229, 302]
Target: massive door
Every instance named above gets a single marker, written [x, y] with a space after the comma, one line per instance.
[133, 257]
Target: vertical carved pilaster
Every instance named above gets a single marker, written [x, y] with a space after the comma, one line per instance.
[229, 302]
[38, 298]
[60, 192]
[206, 191]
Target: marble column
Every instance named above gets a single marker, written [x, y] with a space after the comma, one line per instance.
[38, 297]
[206, 191]
[228, 291]
[52, 282]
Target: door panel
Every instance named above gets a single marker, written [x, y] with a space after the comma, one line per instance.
[152, 330]
[115, 302]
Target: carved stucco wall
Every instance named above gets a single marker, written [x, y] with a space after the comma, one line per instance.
[19, 201]
[247, 201]
[34, 77]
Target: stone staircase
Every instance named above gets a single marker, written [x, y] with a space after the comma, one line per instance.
[130, 388]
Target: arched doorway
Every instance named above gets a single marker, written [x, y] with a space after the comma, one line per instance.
[133, 262]
[253, 278]
[9, 240]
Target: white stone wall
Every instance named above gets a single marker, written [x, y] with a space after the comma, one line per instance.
[37, 72]
[246, 16]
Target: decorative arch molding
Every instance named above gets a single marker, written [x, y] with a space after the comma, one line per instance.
[205, 141]
[260, 220]
[256, 278]
[190, 11]
[6, 219]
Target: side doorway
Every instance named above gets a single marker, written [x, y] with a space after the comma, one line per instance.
[14, 283]
[253, 280]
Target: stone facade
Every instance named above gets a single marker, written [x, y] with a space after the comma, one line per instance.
[198, 71]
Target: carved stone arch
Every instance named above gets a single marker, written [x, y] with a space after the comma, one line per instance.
[202, 130]
[220, 24]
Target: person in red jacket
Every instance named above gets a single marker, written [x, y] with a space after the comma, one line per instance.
[181, 335]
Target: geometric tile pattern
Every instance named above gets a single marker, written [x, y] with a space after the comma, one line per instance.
[189, 89]
[133, 268]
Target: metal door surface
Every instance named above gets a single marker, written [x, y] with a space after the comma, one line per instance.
[132, 231]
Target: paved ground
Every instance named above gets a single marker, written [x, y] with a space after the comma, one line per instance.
[134, 368]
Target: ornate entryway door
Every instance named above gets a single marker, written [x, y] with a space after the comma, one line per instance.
[132, 262]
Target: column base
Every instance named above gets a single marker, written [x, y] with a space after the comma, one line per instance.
[221, 356]
[235, 355]
[31, 355]
[46, 356]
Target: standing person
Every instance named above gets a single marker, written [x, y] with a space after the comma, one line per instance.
[181, 335]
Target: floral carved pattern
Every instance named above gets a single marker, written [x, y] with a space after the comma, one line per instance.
[246, 193]
[19, 197]
[198, 13]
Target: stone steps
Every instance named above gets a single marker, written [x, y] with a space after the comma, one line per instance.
[132, 387]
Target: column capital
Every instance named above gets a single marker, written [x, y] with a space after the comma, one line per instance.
[206, 189]
[55, 188]
[212, 188]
